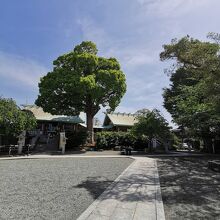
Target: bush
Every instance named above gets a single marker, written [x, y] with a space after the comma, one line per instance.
[108, 140]
[76, 139]
[175, 142]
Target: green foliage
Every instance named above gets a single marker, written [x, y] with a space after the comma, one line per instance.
[193, 96]
[12, 119]
[152, 125]
[86, 47]
[76, 139]
[175, 142]
[30, 121]
[82, 81]
[108, 140]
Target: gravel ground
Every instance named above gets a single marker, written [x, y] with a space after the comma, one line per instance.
[54, 188]
[189, 189]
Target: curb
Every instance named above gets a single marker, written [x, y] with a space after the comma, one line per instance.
[64, 156]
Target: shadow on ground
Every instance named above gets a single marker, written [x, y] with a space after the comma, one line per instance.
[189, 189]
[130, 188]
[94, 185]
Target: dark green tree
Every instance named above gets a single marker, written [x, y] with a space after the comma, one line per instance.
[13, 120]
[82, 81]
[193, 96]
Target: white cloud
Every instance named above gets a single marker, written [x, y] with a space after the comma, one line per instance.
[130, 56]
[134, 56]
[139, 59]
[91, 31]
[171, 8]
[19, 70]
[139, 88]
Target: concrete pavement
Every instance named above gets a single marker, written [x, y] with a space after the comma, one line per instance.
[135, 195]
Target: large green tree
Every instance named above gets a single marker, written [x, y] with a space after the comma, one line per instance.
[193, 96]
[82, 81]
[13, 120]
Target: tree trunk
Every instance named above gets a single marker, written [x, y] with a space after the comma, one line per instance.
[207, 144]
[166, 146]
[150, 145]
[89, 121]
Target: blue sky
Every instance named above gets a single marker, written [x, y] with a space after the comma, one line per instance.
[35, 32]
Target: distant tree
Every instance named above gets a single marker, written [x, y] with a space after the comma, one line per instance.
[142, 111]
[152, 125]
[82, 81]
[13, 120]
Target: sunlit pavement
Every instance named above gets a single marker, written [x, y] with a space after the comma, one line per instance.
[135, 195]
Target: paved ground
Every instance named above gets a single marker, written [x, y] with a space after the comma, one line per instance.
[135, 195]
[189, 189]
[54, 188]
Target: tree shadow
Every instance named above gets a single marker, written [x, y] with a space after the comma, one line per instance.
[95, 185]
[128, 189]
[189, 188]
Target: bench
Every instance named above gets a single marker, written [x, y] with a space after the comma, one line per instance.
[214, 165]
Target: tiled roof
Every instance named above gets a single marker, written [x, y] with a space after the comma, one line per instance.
[121, 119]
[45, 116]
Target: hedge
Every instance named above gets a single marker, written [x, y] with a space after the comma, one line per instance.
[109, 140]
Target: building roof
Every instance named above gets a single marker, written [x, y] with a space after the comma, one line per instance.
[40, 115]
[120, 119]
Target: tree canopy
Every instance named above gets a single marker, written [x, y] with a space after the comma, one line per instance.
[193, 96]
[13, 120]
[82, 81]
[152, 124]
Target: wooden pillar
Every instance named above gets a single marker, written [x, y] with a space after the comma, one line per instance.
[42, 128]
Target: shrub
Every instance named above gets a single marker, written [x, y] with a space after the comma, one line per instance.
[106, 140]
[76, 139]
